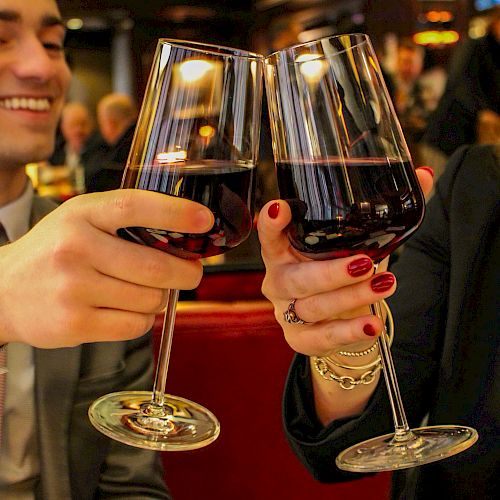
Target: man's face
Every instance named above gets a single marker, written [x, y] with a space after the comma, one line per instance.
[410, 64]
[76, 127]
[34, 79]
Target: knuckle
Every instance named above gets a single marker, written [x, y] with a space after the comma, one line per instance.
[122, 203]
[297, 281]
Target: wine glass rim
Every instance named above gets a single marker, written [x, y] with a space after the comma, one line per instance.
[366, 40]
[213, 49]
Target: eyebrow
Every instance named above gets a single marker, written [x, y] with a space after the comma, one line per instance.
[47, 21]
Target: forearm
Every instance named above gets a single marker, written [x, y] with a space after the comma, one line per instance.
[340, 393]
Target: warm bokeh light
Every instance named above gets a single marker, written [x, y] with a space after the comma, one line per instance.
[74, 23]
[171, 156]
[207, 131]
[195, 69]
[311, 66]
[439, 16]
[436, 37]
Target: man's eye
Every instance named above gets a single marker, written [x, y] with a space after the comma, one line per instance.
[56, 47]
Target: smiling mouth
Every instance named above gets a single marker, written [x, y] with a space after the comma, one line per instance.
[26, 103]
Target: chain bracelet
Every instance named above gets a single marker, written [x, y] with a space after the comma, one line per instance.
[346, 382]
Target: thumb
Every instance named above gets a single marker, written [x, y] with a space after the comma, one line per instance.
[272, 221]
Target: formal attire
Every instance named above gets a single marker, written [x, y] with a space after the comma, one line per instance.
[445, 348]
[89, 157]
[107, 169]
[50, 451]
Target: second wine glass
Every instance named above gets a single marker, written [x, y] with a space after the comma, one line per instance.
[197, 137]
[344, 167]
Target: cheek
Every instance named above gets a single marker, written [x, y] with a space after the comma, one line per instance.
[64, 77]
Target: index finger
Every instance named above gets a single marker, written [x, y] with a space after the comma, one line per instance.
[112, 210]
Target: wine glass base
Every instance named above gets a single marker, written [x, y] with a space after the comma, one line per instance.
[428, 444]
[130, 418]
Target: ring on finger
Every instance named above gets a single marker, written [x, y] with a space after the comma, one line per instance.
[291, 316]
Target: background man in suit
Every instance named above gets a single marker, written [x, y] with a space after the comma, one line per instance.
[78, 145]
[116, 116]
[68, 281]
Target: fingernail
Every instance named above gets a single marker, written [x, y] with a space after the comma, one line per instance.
[274, 210]
[382, 282]
[428, 169]
[359, 267]
[369, 330]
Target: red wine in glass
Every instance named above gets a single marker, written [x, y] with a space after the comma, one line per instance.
[342, 207]
[226, 188]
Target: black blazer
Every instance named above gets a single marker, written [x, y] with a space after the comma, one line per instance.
[445, 348]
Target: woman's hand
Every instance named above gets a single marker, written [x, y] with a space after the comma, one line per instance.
[332, 296]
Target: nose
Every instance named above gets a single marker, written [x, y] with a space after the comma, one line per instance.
[33, 61]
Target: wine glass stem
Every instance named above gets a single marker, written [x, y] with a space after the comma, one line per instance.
[165, 347]
[402, 431]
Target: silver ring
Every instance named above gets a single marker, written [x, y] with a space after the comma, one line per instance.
[291, 316]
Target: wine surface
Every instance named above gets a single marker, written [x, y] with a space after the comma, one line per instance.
[342, 208]
[225, 188]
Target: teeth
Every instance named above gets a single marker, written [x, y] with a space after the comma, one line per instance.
[30, 103]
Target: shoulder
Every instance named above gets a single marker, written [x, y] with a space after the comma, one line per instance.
[474, 167]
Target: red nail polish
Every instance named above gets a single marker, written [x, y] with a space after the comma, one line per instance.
[382, 282]
[274, 210]
[359, 267]
[369, 330]
[428, 169]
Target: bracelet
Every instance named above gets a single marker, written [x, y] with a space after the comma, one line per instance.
[358, 353]
[347, 383]
[390, 338]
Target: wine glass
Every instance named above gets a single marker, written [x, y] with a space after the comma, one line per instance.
[343, 166]
[197, 137]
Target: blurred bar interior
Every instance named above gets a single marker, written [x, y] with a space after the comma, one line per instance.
[110, 45]
[110, 42]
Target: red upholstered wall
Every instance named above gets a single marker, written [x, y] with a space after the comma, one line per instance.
[232, 358]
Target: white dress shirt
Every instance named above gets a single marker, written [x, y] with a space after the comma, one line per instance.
[19, 467]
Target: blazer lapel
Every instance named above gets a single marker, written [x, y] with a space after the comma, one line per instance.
[40, 208]
[56, 377]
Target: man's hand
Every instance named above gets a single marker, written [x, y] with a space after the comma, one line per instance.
[71, 280]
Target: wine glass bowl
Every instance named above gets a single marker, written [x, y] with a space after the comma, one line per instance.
[375, 207]
[343, 166]
[197, 137]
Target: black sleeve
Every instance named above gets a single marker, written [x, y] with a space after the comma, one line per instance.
[420, 309]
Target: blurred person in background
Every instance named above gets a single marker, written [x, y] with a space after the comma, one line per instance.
[116, 117]
[413, 93]
[79, 144]
[469, 110]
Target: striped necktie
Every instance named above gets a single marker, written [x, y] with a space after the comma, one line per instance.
[3, 353]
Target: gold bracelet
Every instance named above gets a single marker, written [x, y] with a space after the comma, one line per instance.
[357, 354]
[390, 338]
[347, 383]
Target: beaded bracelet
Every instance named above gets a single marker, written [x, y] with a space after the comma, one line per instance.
[390, 338]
